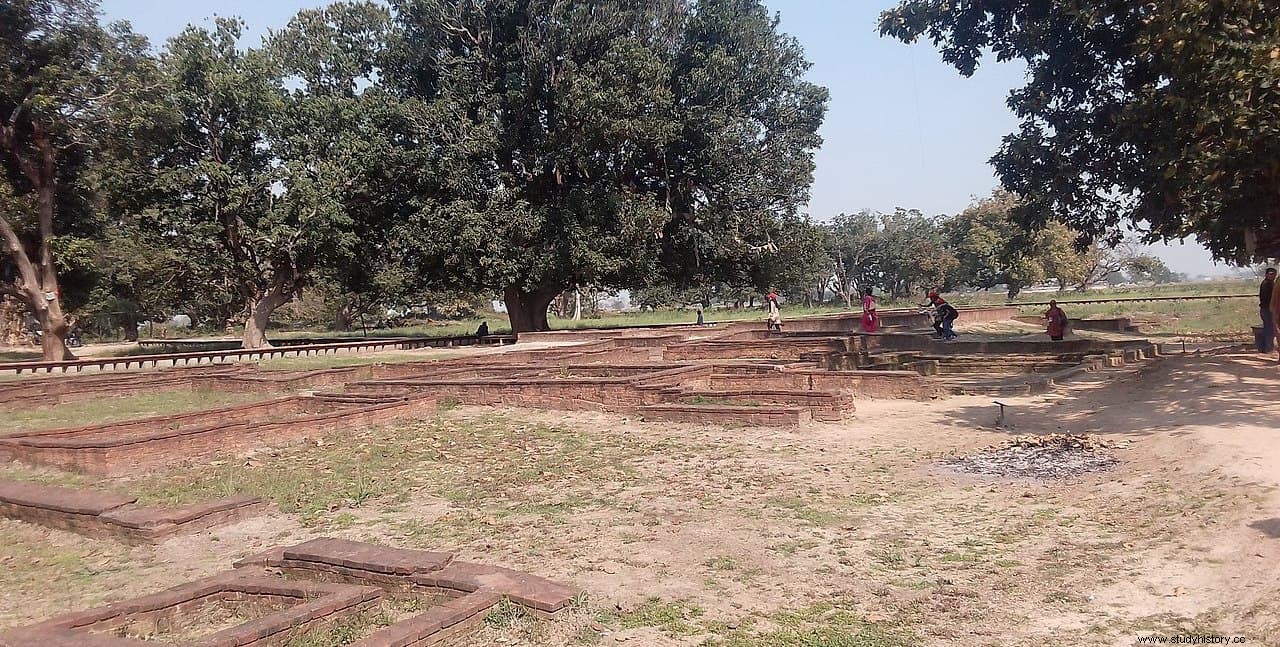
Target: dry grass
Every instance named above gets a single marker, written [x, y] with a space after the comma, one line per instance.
[104, 410]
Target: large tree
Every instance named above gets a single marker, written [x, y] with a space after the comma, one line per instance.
[1161, 116]
[61, 72]
[991, 249]
[915, 255]
[261, 159]
[854, 245]
[557, 144]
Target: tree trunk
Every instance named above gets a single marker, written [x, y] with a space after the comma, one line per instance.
[344, 318]
[131, 329]
[39, 282]
[527, 311]
[260, 309]
[53, 340]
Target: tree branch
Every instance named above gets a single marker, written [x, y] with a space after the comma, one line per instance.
[29, 290]
[17, 110]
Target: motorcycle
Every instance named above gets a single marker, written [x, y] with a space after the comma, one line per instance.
[72, 340]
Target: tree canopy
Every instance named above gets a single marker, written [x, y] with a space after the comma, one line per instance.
[1156, 116]
[600, 143]
[62, 75]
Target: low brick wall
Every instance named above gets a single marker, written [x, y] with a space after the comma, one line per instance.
[791, 348]
[723, 414]
[105, 515]
[324, 580]
[306, 606]
[140, 445]
[76, 388]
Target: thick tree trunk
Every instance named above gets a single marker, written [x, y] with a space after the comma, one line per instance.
[344, 318]
[53, 340]
[255, 326]
[527, 311]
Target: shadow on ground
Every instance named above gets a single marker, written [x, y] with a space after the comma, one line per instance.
[1221, 391]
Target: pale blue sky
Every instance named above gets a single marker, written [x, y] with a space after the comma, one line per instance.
[903, 129]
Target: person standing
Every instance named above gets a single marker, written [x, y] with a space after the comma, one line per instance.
[1057, 319]
[870, 320]
[1266, 343]
[775, 315]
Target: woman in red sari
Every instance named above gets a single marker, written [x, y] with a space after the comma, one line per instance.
[870, 320]
[1057, 321]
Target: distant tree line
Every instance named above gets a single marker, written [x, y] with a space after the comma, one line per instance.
[905, 253]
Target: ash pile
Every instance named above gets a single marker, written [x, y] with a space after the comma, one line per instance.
[1053, 456]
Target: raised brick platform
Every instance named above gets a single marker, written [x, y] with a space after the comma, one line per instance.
[105, 515]
[287, 593]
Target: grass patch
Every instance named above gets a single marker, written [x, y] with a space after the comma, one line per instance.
[19, 356]
[75, 414]
[674, 618]
[486, 460]
[40, 569]
[721, 563]
[351, 629]
[17, 472]
[505, 614]
[798, 508]
[819, 625]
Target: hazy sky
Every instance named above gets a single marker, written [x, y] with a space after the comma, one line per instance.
[902, 129]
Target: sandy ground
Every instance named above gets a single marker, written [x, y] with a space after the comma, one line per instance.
[835, 534]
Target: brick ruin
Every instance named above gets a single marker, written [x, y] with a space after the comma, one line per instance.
[105, 515]
[289, 593]
[733, 374]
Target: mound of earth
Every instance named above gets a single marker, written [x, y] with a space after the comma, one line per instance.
[1053, 456]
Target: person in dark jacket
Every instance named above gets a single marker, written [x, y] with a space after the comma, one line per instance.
[944, 316]
[483, 330]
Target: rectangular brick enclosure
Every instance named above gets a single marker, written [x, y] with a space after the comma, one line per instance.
[291, 593]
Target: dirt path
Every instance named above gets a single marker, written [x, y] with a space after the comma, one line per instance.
[835, 534]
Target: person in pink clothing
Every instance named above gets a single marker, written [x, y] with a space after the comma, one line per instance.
[870, 320]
